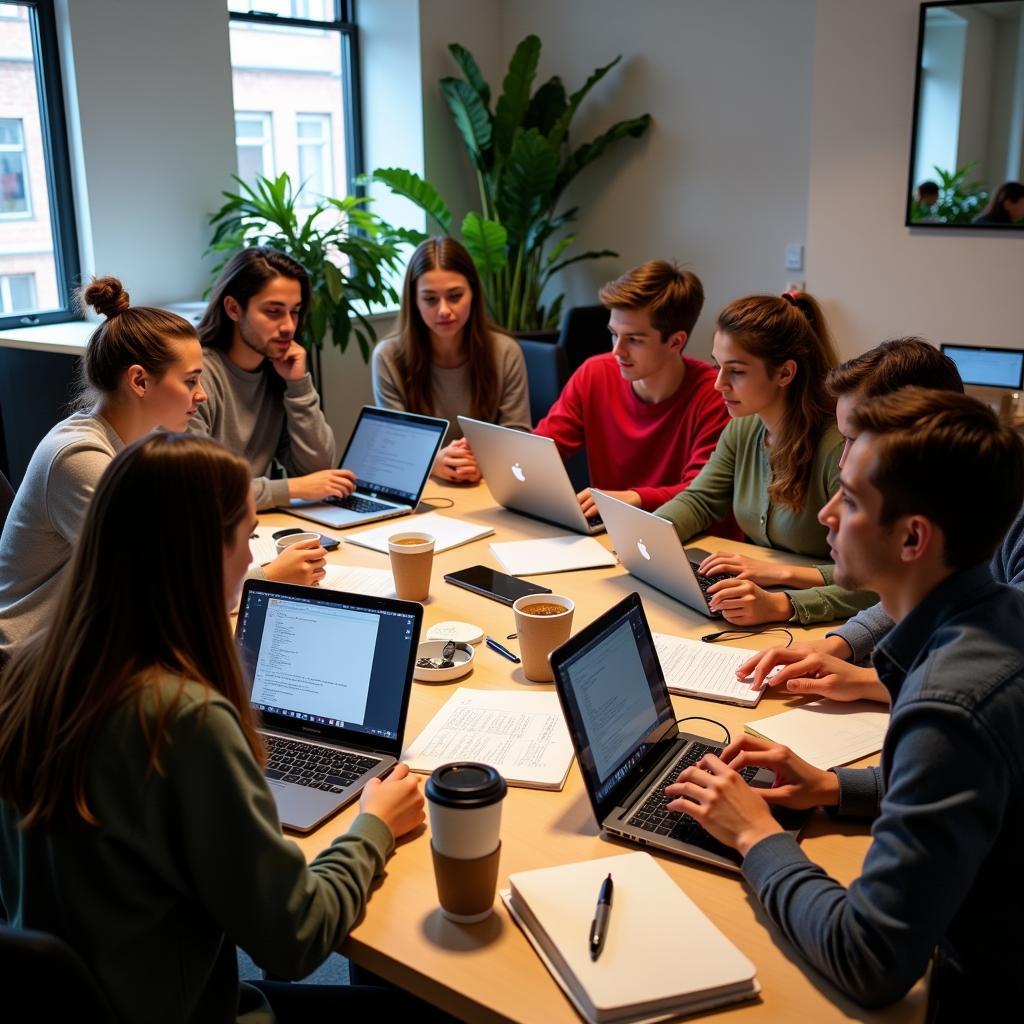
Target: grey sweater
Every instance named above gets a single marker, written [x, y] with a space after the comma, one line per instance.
[247, 415]
[46, 517]
[867, 628]
[452, 389]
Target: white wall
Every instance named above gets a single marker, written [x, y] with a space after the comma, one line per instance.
[878, 278]
[152, 128]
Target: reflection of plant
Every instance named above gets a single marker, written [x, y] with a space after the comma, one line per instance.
[523, 163]
[348, 252]
[958, 202]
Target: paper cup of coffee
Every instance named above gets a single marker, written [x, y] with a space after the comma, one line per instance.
[295, 538]
[464, 799]
[412, 558]
[543, 622]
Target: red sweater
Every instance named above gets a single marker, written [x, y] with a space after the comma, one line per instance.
[655, 450]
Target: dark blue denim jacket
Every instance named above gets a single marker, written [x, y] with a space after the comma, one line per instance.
[944, 866]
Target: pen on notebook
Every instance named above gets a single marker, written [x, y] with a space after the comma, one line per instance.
[603, 911]
[503, 651]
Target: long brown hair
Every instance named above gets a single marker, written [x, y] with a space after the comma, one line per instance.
[413, 358]
[775, 328]
[128, 609]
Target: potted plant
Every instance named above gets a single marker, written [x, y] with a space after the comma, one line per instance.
[959, 201]
[350, 254]
[523, 160]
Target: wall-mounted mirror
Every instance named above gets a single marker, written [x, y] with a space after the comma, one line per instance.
[967, 151]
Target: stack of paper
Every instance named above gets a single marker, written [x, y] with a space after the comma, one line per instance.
[696, 669]
[661, 956]
[827, 733]
[552, 554]
[448, 532]
[356, 580]
[523, 735]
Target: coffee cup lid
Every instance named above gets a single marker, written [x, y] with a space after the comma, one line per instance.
[466, 784]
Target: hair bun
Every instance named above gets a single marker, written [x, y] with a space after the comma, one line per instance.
[107, 296]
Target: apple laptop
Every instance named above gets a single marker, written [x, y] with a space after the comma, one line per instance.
[526, 474]
[629, 747]
[391, 454]
[330, 677]
[648, 547]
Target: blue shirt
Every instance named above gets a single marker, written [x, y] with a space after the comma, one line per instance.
[948, 800]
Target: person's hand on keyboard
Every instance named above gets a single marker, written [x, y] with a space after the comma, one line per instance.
[589, 507]
[397, 801]
[798, 784]
[327, 483]
[761, 571]
[302, 563]
[745, 604]
[803, 668]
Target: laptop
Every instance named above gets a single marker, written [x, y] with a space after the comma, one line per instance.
[648, 547]
[526, 474]
[330, 678]
[629, 747]
[391, 454]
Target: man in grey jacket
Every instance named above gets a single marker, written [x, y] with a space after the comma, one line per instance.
[943, 866]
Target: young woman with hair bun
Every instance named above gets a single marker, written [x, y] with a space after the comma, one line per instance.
[775, 465]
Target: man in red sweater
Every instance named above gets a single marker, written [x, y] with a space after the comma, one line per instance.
[648, 415]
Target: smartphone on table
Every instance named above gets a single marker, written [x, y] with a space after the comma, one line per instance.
[498, 586]
[327, 543]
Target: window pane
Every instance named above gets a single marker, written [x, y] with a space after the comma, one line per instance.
[311, 10]
[28, 271]
[255, 145]
[286, 72]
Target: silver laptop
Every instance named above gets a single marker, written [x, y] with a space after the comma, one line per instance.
[330, 676]
[629, 747]
[648, 547]
[526, 474]
[391, 454]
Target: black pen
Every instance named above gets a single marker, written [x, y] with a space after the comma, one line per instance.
[603, 911]
[503, 651]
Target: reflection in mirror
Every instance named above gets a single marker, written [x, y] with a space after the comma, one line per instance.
[967, 154]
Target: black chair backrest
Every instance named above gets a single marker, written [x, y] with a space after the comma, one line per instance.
[6, 499]
[51, 977]
[546, 374]
[585, 334]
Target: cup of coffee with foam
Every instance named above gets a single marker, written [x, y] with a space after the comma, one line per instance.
[543, 622]
[464, 799]
[412, 558]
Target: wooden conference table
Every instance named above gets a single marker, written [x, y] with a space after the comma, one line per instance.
[488, 972]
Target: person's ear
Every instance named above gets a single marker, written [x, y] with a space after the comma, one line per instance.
[920, 536]
[785, 373]
[137, 380]
[232, 308]
[677, 340]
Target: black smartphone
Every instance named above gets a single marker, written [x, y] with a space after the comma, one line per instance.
[498, 586]
[327, 543]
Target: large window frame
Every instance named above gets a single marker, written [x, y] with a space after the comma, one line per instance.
[344, 23]
[46, 49]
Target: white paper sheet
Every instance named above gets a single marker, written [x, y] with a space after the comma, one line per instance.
[263, 547]
[448, 532]
[697, 669]
[827, 733]
[357, 580]
[523, 735]
[552, 554]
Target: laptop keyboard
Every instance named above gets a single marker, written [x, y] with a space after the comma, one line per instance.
[353, 503]
[316, 767]
[652, 816]
[706, 581]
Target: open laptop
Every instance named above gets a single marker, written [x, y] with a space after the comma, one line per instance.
[624, 732]
[330, 676]
[526, 474]
[648, 547]
[391, 454]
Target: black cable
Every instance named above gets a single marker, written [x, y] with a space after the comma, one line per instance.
[429, 501]
[701, 718]
[740, 634]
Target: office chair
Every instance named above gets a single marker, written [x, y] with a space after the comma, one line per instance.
[584, 334]
[546, 374]
[50, 975]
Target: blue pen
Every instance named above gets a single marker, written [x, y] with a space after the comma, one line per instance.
[503, 651]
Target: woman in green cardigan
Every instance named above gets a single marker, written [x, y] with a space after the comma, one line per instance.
[775, 465]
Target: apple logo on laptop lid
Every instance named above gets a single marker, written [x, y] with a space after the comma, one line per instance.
[642, 548]
[517, 472]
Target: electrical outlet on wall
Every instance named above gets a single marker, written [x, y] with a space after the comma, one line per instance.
[794, 256]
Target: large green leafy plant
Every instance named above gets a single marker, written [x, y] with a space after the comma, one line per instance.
[350, 254]
[523, 160]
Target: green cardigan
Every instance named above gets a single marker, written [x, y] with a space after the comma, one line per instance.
[185, 865]
[736, 479]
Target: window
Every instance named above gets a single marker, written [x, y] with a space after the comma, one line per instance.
[17, 293]
[254, 140]
[13, 170]
[314, 140]
[296, 61]
[38, 246]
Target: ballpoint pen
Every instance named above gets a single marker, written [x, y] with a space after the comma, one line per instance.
[503, 651]
[603, 911]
